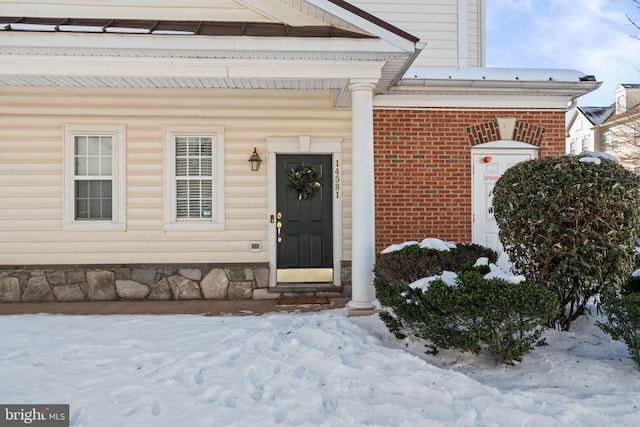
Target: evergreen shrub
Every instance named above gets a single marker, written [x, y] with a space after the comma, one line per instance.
[623, 322]
[394, 271]
[631, 286]
[570, 225]
[413, 262]
[477, 314]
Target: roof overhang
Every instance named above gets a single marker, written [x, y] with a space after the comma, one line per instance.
[489, 88]
[343, 44]
[98, 60]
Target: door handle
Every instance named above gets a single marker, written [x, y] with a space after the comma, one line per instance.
[279, 225]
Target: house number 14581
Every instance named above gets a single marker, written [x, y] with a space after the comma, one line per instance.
[336, 179]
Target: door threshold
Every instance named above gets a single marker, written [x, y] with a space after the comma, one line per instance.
[305, 287]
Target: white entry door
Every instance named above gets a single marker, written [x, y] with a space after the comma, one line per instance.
[488, 166]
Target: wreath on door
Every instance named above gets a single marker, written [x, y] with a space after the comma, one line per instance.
[304, 180]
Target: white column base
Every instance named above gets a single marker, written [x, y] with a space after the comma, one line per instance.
[361, 305]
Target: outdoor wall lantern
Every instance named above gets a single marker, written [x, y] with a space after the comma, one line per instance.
[255, 160]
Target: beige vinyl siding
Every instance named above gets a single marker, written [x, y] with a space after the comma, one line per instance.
[435, 22]
[31, 170]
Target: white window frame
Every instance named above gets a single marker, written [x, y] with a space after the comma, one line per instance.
[118, 218]
[621, 101]
[584, 142]
[171, 221]
[611, 141]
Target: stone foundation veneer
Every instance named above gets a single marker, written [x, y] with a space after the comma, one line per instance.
[159, 283]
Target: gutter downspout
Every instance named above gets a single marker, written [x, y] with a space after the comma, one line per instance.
[400, 74]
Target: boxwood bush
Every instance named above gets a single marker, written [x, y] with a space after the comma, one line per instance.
[477, 314]
[413, 262]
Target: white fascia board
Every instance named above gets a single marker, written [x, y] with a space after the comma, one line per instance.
[26, 65]
[482, 89]
[430, 85]
[365, 25]
[573, 117]
[62, 40]
[470, 101]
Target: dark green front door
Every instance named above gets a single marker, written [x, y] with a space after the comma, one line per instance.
[304, 226]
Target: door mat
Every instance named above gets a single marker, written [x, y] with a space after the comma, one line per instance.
[302, 300]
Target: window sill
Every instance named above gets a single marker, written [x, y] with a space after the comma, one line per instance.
[193, 226]
[94, 226]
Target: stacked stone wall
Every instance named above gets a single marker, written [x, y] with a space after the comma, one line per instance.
[76, 283]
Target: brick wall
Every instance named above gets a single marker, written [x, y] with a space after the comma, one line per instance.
[423, 166]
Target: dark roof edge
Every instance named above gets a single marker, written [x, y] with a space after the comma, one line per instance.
[204, 28]
[585, 110]
[375, 20]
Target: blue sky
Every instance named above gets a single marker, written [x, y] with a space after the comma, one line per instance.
[593, 36]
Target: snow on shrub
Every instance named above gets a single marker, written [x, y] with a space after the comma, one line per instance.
[441, 296]
[428, 243]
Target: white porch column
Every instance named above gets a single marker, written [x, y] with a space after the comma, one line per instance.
[362, 198]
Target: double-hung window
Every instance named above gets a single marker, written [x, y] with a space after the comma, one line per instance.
[610, 141]
[194, 178]
[94, 178]
[585, 143]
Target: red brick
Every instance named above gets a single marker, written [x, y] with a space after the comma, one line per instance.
[429, 194]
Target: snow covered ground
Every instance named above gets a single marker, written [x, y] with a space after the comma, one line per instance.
[321, 369]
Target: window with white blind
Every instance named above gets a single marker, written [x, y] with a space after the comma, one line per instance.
[194, 178]
[94, 178]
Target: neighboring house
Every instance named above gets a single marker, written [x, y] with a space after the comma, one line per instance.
[621, 131]
[583, 128]
[126, 130]
[614, 130]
